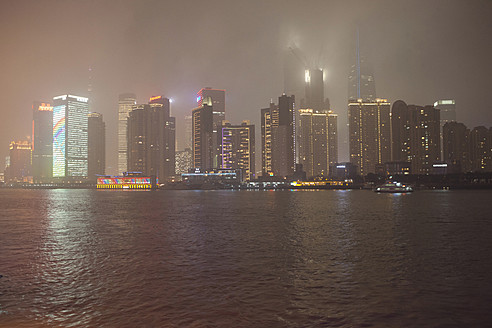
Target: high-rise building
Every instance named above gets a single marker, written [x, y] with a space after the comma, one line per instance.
[126, 101]
[151, 139]
[318, 143]
[97, 146]
[269, 119]
[425, 145]
[217, 98]
[369, 134]
[70, 139]
[456, 150]
[480, 147]
[283, 138]
[400, 132]
[447, 110]
[238, 148]
[42, 141]
[20, 161]
[203, 127]
[361, 78]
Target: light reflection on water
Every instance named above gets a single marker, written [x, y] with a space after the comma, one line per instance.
[86, 258]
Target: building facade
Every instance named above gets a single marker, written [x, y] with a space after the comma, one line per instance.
[97, 146]
[269, 119]
[283, 138]
[126, 102]
[70, 136]
[42, 141]
[19, 169]
[369, 134]
[456, 152]
[238, 148]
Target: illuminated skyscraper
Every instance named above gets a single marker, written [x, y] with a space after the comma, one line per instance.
[97, 146]
[361, 78]
[42, 141]
[219, 109]
[184, 161]
[283, 138]
[369, 134]
[269, 119]
[203, 127]
[151, 139]
[400, 132]
[315, 93]
[70, 139]
[318, 142]
[188, 131]
[447, 109]
[238, 148]
[126, 102]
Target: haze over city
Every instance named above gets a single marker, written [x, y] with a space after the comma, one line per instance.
[421, 51]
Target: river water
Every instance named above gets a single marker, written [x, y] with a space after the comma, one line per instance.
[355, 258]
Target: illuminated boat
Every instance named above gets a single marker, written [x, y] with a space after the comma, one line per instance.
[393, 187]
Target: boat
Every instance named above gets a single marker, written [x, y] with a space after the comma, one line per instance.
[393, 187]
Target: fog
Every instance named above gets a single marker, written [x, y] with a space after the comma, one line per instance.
[421, 51]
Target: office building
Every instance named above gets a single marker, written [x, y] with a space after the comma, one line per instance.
[318, 142]
[42, 141]
[203, 127]
[314, 91]
[216, 99]
[238, 148]
[283, 138]
[70, 137]
[151, 139]
[97, 146]
[188, 120]
[126, 102]
[269, 119]
[369, 134]
[447, 109]
[19, 168]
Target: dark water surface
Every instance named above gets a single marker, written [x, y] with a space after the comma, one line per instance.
[89, 258]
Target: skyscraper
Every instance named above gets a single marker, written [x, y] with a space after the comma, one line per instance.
[318, 143]
[400, 132]
[447, 109]
[126, 101]
[97, 146]
[369, 134]
[42, 141]
[238, 148]
[269, 119]
[283, 138]
[188, 131]
[70, 139]
[151, 139]
[361, 78]
[314, 91]
[203, 127]
[219, 109]
[480, 147]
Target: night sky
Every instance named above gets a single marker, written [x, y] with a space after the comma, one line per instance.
[421, 51]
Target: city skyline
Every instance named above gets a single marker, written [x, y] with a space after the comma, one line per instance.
[446, 55]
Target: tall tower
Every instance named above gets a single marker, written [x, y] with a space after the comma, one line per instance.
[42, 141]
[97, 146]
[456, 138]
[361, 79]
[217, 98]
[70, 139]
[238, 148]
[203, 127]
[315, 93]
[126, 101]
[369, 134]
[269, 120]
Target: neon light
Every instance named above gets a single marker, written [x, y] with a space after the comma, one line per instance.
[155, 98]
